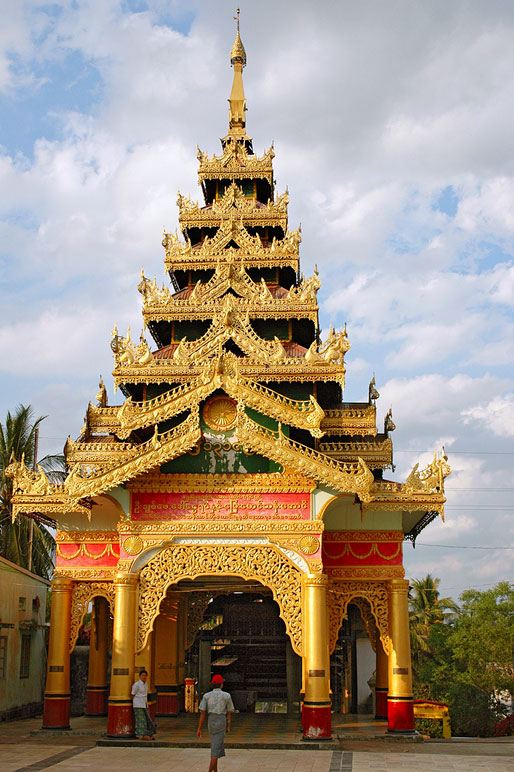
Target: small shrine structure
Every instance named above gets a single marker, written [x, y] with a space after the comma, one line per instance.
[232, 466]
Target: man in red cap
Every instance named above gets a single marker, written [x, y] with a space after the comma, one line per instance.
[218, 705]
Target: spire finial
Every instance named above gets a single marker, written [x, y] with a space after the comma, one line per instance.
[237, 101]
[238, 52]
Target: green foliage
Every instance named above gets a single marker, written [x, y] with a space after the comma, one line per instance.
[18, 439]
[463, 656]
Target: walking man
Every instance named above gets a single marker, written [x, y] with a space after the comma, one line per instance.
[218, 705]
[145, 727]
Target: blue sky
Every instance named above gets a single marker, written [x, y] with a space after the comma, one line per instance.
[396, 141]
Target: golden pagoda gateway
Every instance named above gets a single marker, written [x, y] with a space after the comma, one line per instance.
[233, 493]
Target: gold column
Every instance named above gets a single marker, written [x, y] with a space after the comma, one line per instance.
[400, 700]
[96, 701]
[57, 692]
[167, 655]
[380, 679]
[316, 706]
[119, 723]
[182, 639]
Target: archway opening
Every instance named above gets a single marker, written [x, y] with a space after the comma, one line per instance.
[233, 628]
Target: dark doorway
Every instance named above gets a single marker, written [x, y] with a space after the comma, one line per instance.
[246, 642]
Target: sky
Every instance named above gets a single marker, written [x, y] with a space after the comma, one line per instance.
[393, 127]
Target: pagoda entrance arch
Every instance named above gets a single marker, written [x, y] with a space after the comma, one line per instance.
[264, 563]
[376, 603]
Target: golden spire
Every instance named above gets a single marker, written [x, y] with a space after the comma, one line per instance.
[237, 102]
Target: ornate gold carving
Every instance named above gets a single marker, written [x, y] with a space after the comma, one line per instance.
[309, 545]
[236, 163]
[348, 477]
[384, 536]
[220, 373]
[91, 480]
[288, 481]
[182, 255]
[430, 479]
[220, 413]
[233, 201]
[366, 572]
[377, 455]
[335, 346]
[236, 527]
[265, 564]
[252, 299]
[87, 574]
[86, 536]
[82, 594]
[375, 593]
[133, 545]
[350, 421]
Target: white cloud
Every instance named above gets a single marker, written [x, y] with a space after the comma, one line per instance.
[372, 122]
[497, 415]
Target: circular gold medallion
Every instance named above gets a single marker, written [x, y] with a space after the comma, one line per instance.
[220, 413]
[309, 545]
[133, 545]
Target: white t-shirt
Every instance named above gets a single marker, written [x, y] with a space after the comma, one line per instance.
[140, 694]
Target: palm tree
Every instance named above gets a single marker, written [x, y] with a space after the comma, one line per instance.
[27, 541]
[426, 609]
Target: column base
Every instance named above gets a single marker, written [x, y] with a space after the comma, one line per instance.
[96, 701]
[316, 722]
[120, 719]
[56, 712]
[400, 715]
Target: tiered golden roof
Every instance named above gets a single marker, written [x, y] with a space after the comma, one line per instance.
[239, 320]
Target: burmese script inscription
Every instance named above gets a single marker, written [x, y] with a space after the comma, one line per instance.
[220, 506]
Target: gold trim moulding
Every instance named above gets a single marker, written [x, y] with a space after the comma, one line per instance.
[207, 528]
[373, 572]
[86, 536]
[209, 261]
[88, 574]
[202, 312]
[352, 536]
[291, 371]
[284, 482]
[252, 218]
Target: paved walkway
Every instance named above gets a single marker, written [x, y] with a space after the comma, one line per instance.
[82, 759]
[23, 748]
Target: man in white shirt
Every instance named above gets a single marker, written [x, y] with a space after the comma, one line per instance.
[145, 727]
[218, 705]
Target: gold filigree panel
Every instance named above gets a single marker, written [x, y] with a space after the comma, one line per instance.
[265, 564]
[82, 594]
[274, 482]
[374, 593]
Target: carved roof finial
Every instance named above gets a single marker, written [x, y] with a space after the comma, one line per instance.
[237, 102]
[238, 49]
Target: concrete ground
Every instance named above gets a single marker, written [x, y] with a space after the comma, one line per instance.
[23, 748]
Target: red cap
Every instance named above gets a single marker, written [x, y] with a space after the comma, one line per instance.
[217, 679]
